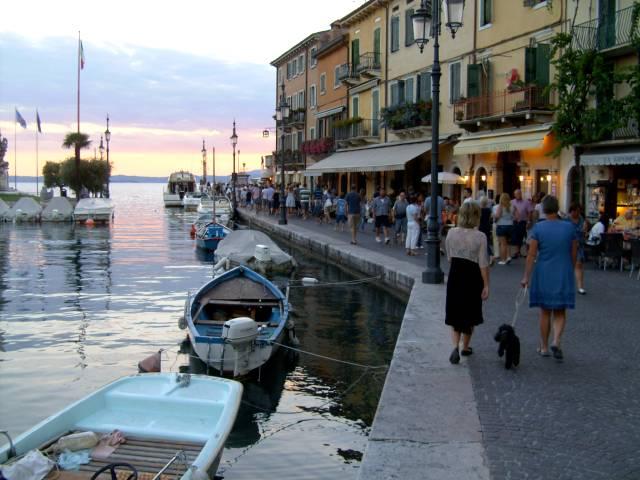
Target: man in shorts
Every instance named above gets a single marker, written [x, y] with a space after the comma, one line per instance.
[399, 212]
[353, 212]
[523, 213]
[381, 208]
[305, 196]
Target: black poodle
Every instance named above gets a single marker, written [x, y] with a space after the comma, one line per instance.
[509, 345]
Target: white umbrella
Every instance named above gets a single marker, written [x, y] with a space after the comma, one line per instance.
[446, 177]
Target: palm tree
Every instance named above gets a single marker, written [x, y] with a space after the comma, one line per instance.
[78, 141]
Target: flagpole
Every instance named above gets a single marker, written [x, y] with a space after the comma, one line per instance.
[79, 81]
[37, 185]
[15, 154]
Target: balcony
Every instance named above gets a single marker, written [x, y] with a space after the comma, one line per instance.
[347, 74]
[605, 33]
[319, 146]
[296, 118]
[369, 65]
[293, 159]
[408, 120]
[357, 131]
[515, 107]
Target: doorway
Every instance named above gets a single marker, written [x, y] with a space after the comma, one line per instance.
[509, 162]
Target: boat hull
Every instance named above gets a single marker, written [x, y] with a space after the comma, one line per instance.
[157, 407]
[172, 200]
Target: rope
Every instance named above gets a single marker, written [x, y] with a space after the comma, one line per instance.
[520, 297]
[345, 362]
[331, 284]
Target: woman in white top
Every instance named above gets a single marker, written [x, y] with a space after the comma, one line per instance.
[504, 216]
[413, 226]
[468, 281]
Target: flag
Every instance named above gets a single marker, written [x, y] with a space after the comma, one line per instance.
[20, 120]
[38, 122]
[81, 55]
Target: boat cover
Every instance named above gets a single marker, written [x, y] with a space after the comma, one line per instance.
[239, 247]
[91, 205]
[27, 205]
[61, 204]
[239, 288]
[4, 208]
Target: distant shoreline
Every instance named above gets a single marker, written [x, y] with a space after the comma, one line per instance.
[135, 179]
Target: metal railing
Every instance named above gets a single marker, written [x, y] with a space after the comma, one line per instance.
[362, 129]
[605, 32]
[345, 71]
[501, 103]
[296, 117]
[368, 62]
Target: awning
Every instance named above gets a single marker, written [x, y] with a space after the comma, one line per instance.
[376, 159]
[505, 141]
[331, 111]
[611, 157]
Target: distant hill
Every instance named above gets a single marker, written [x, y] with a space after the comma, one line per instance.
[139, 179]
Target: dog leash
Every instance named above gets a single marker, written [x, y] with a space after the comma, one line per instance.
[520, 297]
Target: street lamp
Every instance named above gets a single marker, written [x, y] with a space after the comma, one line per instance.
[203, 180]
[107, 137]
[101, 148]
[427, 24]
[234, 143]
[282, 113]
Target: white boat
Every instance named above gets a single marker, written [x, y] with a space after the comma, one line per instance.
[191, 200]
[96, 209]
[223, 208]
[255, 250]
[58, 209]
[167, 419]
[24, 210]
[233, 320]
[178, 184]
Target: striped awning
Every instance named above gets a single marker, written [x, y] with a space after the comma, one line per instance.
[611, 157]
[331, 111]
[505, 141]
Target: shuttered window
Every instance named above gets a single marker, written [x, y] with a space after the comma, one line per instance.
[454, 82]
[485, 12]
[401, 92]
[473, 80]
[355, 53]
[376, 46]
[395, 97]
[323, 83]
[536, 65]
[408, 90]
[395, 34]
[424, 86]
[408, 27]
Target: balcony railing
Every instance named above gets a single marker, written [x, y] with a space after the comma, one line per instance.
[291, 157]
[297, 117]
[605, 32]
[363, 129]
[368, 63]
[345, 72]
[501, 104]
[319, 146]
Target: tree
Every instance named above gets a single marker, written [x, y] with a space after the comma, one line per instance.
[77, 141]
[51, 174]
[93, 173]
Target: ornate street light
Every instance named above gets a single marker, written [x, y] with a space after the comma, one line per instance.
[234, 143]
[101, 148]
[426, 24]
[203, 180]
[107, 137]
[282, 113]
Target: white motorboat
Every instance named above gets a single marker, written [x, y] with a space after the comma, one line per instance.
[222, 208]
[58, 209]
[233, 320]
[95, 209]
[191, 200]
[24, 210]
[176, 424]
[178, 185]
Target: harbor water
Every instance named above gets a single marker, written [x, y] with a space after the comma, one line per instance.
[80, 306]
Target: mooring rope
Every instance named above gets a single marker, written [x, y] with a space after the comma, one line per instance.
[303, 284]
[345, 362]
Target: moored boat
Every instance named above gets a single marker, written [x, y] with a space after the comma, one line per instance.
[180, 422]
[255, 250]
[95, 209]
[209, 236]
[24, 210]
[191, 200]
[58, 209]
[233, 320]
[178, 184]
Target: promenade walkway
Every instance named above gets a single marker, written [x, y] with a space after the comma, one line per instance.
[543, 420]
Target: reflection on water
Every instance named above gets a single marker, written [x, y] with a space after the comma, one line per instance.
[80, 306]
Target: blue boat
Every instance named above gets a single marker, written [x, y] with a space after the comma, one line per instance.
[209, 235]
[233, 320]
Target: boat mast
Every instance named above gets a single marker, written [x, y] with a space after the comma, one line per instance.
[214, 183]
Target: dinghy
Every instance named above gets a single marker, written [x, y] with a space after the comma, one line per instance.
[233, 319]
[208, 236]
[172, 425]
[257, 251]
[58, 209]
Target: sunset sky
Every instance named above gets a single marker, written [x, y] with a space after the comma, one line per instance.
[167, 77]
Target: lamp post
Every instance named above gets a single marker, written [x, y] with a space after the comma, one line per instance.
[203, 180]
[427, 24]
[101, 148]
[282, 113]
[107, 137]
[234, 143]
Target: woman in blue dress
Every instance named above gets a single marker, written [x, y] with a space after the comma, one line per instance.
[552, 258]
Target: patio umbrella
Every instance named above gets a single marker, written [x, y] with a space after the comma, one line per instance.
[446, 177]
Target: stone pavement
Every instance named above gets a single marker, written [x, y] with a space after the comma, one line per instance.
[576, 419]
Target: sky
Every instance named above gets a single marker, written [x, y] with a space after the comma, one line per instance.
[168, 74]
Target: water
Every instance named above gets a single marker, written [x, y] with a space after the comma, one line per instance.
[81, 306]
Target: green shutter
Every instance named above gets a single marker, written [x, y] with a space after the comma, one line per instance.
[473, 79]
[408, 27]
[355, 53]
[488, 18]
[376, 46]
[530, 64]
[543, 52]
[424, 86]
[394, 94]
[395, 34]
[401, 94]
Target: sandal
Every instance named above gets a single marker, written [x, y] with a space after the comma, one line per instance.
[454, 358]
[557, 353]
[467, 352]
[543, 353]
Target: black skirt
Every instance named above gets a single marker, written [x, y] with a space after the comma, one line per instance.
[464, 295]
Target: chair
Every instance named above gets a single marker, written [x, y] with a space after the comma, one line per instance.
[611, 248]
[635, 256]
